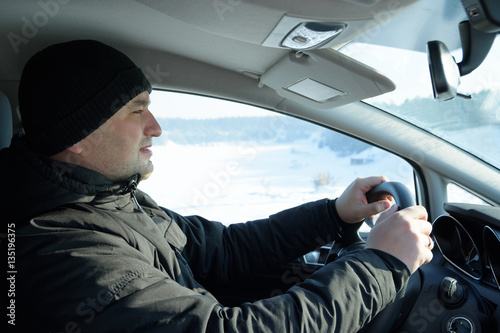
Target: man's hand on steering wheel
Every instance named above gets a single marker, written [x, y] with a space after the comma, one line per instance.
[403, 234]
[352, 205]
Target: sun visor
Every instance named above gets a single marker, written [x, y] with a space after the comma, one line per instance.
[324, 79]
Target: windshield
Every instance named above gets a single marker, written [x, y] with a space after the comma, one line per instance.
[471, 124]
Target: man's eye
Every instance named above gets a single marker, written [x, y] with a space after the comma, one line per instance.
[138, 111]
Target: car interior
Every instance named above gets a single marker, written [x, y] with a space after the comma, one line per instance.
[418, 79]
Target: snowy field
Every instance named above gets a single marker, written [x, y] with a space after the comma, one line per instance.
[246, 181]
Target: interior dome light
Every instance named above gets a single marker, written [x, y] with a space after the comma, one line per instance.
[311, 35]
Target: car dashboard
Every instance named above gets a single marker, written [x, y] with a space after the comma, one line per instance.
[468, 248]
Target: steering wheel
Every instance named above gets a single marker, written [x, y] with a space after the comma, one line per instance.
[392, 316]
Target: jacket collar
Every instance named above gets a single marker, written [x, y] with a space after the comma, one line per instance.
[36, 184]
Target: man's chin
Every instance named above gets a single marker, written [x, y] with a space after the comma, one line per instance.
[145, 174]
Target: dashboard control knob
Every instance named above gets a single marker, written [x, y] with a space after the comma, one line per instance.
[451, 291]
[460, 324]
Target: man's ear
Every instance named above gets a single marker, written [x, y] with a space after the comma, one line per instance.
[77, 148]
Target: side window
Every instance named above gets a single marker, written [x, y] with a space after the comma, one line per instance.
[460, 195]
[231, 162]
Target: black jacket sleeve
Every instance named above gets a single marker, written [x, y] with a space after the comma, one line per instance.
[219, 253]
[340, 297]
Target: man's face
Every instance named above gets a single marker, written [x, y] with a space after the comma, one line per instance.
[120, 147]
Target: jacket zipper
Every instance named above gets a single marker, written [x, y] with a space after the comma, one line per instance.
[132, 186]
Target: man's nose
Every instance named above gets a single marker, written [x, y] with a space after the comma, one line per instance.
[152, 127]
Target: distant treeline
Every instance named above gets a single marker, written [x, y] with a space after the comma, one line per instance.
[259, 130]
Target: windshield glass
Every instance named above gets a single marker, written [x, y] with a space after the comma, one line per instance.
[471, 124]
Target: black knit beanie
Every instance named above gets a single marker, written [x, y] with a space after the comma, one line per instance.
[70, 89]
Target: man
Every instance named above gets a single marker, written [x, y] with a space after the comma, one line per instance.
[94, 254]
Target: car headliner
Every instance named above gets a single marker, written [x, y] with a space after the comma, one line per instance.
[228, 35]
